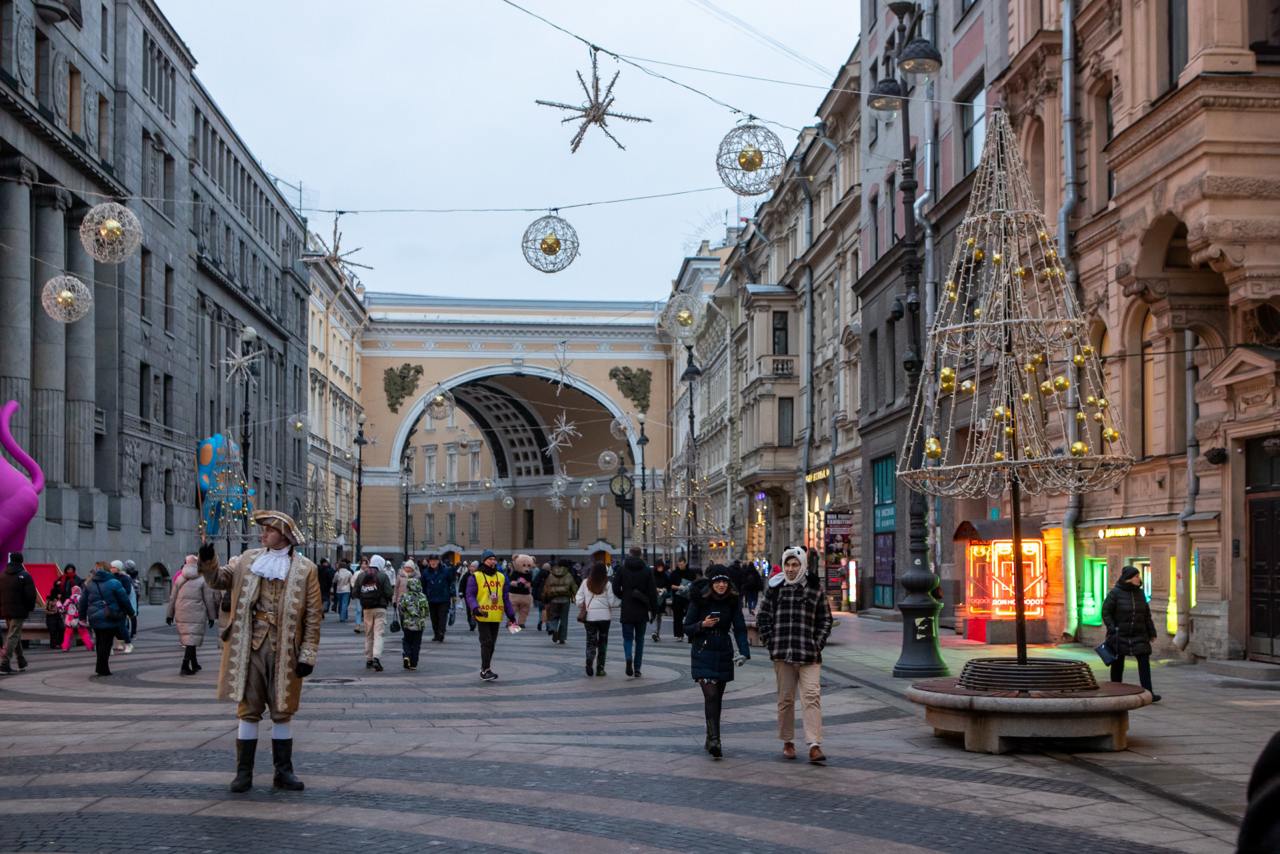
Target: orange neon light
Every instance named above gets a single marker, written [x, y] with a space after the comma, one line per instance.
[989, 587]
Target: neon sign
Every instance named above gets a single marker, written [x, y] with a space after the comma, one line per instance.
[989, 574]
[1121, 533]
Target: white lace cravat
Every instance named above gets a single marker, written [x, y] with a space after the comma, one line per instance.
[272, 565]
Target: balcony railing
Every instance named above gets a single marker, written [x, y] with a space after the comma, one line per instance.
[776, 366]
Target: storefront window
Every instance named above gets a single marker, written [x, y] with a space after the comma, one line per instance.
[1094, 592]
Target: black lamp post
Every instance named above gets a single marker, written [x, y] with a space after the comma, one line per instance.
[622, 485]
[361, 441]
[406, 484]
[644, 486]
[248, 337]
[919, 59]
[691, 373]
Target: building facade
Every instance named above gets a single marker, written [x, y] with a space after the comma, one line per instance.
[99, 102]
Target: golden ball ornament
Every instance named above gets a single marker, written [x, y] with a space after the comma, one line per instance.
[550, 245]
[952, 296]
[111, 230]
[1079, 449]
[947, 387]
[1008, 432]
[977, 313]
[1000, 413]
[1078, 360]
[933, 448]
[1029, 367]
[997, 258]
[1028, 452]
[1098, 417]
[1103, 403]
[1080, 416]
[1020, 272]
[1111, 434]
[967, 387]
[998, 456]
[685, 317]
[949, 285]
[1044, 235]
[1051, 253]
[1026, 397]
[947, 373]
[971, 242]
[1046, 388]
[1061, 383]
[750, 158]
[979, 254]
[1091, 400]
[1087, 349]
[1038, 358]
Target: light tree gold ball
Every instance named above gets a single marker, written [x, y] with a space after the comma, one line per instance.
[1038, 358]
[1061, 383]
[1044, 235]
[1111, 434]
[1079, 449]
[933, 448]
[952, 296]
[1029, 367]
[1020, 272]
[684, 317]
[111, 230]
[967, 387]
[1026, 397]
[1091, 400]
[550, 245]
[1087, 349]
[1000, 413]
[997, 258]
[947, 373]
[1028, 452]
[1078, 360]
[1098, 417]
[1102, 403]
[1080, 416]
[1008, 432]
[970, 242]
[998, 456]
[979, 254]
[750, 158]
[977, 313]
[1046, 388]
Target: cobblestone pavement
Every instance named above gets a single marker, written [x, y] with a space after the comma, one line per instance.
[547, 759]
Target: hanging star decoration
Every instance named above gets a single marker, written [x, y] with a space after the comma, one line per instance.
[563, 363]
[240, 366]
[562, 434]
[557, 503]
[596, 110]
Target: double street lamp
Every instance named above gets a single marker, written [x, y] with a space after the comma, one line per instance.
[361, 441]
[248, 338]
[917, 59]
[406, 484]
[622, 485]
[644, 486]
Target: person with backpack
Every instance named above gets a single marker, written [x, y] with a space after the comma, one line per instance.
[192, 607]
[638, 593]
[71, 611]
[597, 605]
[557, 592]
[374, 590]
[487, 601]
[413, 610]
[794, 623]
[124, 637]
[17, 601]
[714, 624]
[106, 609]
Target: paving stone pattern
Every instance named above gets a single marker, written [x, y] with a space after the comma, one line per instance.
[547, 758]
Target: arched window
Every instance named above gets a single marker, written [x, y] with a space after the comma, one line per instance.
[1035, 160]
[1150, 426]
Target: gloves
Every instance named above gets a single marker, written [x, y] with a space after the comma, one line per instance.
[211, 624]
[740, 660]
[303, 670]
[168, 621]
[475, 612]
[207, 552]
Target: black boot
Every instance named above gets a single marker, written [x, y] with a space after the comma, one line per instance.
[246, 749]
[282, 759]
[713, 740]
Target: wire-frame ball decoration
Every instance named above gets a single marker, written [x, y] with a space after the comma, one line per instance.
[66, 299]
[588, 486]
[508, 502]
[608, 461]
[620, 429]
[110, 232]
[550, 244]
[683, 316]
[750, 159]
[1012, 387]
[297, 424]
[440, 405]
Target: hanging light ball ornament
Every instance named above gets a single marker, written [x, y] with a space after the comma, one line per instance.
[66, 299]
[508, 502]
[750, 159]
[110, 232]
[298, 424]
[608, 460]
[588, 486]
[440, 406]
[550, 244]
[683, 317]
[618, 429]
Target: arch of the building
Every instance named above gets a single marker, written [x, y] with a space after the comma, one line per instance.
[414, 412]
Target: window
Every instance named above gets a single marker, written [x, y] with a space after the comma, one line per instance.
[786, 421]
[451, 470]
[602, 520]
[1109, 125]
[144, 497]
[873, 227]
[528, 527]
[144, 391]
[159, 76]
[780, 342]
[973, 125]
[1176, 43]
[168, 400]
[1150, 423]
[168, 501]
[104, 128]
[451, 530]
[75, 106]
[166, 183]
[872, 116]
[891, 361]
[430, 473]
[429, 535]
[891, 209]
[475, 465]
[169, 298]
[475, 527]
[575, 526]
[104, 32]
[43, 70]
[144, 284]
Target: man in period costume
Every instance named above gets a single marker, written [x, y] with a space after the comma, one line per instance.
[269, 644]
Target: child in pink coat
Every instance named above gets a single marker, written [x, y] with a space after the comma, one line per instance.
[71, 619]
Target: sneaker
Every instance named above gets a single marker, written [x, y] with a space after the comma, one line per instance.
[630, 670]
[22, 665]
[591, 671]
[789, 750]
[654, 637]
[600, 671]
[816, 756]
[488, 675]
[407, 665]
[637, 672]
[5, 668]
[368, 664]
[377, 665]
[128, 648]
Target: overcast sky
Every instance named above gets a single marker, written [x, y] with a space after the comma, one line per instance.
[427, 103]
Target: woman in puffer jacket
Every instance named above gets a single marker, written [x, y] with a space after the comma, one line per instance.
[1130, 629]
[714, 624]
[192, 607]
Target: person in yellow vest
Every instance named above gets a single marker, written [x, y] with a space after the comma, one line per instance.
[487, 601]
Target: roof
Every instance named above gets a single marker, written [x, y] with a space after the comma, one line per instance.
[388, 298]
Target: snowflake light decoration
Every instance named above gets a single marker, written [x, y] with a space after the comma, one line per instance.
[557, 503]
[240, 366]
[596, 110]
[563, 363]
[562, 434]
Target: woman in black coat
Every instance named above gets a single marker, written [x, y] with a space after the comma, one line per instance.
[714, 614]
[634, 585]
[1130, 629]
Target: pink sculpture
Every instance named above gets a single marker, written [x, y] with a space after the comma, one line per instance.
[18, 496]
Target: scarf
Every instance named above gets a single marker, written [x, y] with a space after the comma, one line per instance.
[272, 565]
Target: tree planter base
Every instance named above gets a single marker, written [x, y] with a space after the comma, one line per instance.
[990, 721]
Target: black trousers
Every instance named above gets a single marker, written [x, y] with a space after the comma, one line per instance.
[1144, 670]
[102, 640]
[439, 612]
[411, 645]
[597, 641]
[488, 639]
[679, 605]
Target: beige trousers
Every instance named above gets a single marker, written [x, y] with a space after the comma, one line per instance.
[808, 677]
[375, 623]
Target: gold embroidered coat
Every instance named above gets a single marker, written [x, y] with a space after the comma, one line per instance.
[299, 629]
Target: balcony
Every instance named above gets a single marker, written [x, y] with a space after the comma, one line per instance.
[775, 367]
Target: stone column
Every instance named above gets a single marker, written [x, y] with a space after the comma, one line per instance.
[15, 290]
[49, 359]
[1218, 40]
[81, 377]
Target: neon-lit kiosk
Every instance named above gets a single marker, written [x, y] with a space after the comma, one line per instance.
[988, 606]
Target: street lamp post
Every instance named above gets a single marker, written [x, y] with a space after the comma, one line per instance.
[248, 337]
[691, 373]
[919, 59]
[622, 485]
[644, 486]
[361, 441]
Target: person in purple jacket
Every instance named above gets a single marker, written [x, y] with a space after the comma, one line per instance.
[487, 601]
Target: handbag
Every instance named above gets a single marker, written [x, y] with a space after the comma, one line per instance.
[109, 613]
[582, 608]
[395, 620]
[453, 613]
[1106, 653]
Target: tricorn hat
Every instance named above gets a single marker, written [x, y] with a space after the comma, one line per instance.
[277, 519]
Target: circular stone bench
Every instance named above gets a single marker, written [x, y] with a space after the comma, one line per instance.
[989, 719]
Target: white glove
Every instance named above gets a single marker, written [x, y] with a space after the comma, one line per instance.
[740, 660]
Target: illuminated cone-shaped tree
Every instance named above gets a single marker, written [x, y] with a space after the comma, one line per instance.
[1013, 393]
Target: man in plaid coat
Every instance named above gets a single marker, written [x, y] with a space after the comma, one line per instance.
[794, 623]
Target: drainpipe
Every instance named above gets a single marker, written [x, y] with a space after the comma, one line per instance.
[1070, 562]
[808, 323]
[1183, 547]
[930, 267]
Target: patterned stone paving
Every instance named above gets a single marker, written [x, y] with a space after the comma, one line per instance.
[544, 759]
